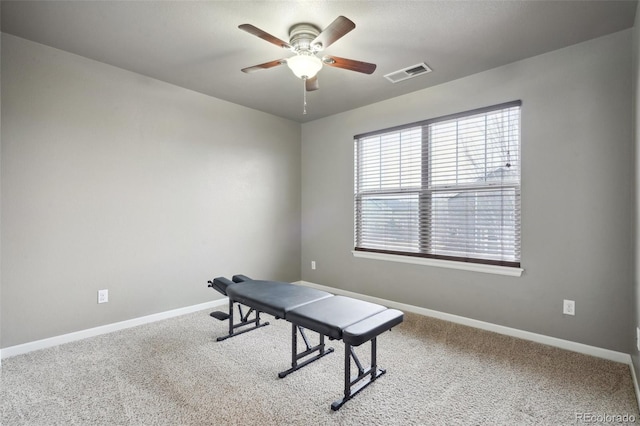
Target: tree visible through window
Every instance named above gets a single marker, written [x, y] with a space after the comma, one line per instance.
[444, 188]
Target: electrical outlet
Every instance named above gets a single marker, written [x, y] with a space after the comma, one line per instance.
[638, 338]
[103, 296]
[313, 264]
[569, 307]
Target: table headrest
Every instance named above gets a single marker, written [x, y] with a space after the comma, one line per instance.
[220, 284]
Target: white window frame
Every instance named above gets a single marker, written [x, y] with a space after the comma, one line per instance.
[511, 268]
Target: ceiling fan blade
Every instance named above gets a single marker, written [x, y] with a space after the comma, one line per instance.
[311, 84]
[264, 35]
[338, 28]
[349, 64]
[264, 66]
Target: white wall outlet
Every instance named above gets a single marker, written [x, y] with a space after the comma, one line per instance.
[638, 338]
[103, 296]
[313, 264]
[569, 307]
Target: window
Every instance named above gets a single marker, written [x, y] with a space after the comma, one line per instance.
[446, 188]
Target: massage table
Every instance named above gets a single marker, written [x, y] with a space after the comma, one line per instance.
[343, 318]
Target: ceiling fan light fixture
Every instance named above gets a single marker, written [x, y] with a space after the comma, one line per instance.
[304, 65]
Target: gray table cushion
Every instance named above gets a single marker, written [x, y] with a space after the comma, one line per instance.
[332, 315]
[274, 297]
[367, 329]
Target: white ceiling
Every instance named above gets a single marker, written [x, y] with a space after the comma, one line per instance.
[197, 45]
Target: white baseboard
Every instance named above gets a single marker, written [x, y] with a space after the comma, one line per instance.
[513, 332]
[109, 328]
[539, 338]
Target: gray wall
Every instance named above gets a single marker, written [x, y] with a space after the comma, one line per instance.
[577, 198]
[114, 180]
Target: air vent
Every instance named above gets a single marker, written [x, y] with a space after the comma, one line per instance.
[408, 72]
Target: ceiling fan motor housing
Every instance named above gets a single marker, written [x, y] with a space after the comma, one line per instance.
[301, 36]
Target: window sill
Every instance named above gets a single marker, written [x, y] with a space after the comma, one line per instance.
[465, 266]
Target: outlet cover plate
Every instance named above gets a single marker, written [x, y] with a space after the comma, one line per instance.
[569, 307]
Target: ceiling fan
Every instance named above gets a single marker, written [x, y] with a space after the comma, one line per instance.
[306, 41]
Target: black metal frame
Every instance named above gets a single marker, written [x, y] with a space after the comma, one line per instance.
[364, 377]
[352, 386]
[244, 321]
[295, 356]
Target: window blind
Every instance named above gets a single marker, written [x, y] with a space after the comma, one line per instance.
[444, 188]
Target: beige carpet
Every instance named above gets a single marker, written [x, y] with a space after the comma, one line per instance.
[174, 373]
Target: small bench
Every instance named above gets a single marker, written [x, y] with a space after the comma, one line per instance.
[337, 317]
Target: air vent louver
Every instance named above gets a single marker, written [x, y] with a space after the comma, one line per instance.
[408, 72]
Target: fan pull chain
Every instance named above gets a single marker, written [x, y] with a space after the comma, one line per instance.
[304, 95]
